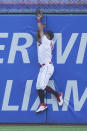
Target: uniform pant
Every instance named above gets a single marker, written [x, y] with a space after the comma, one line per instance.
[44, 75]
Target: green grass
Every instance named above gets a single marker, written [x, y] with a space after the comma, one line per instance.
[43, 128]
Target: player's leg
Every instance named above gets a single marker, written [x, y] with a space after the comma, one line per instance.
[41, 95]
[58, 95]
[48, 89]
[43, 78]
[48, 76]
[40, 84]
[40, 89]
[42, 104]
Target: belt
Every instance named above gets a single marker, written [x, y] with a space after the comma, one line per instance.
[45, 64]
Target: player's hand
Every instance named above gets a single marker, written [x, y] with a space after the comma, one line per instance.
[39, 14]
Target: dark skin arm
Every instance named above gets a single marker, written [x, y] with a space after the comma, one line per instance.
[38, 37]
[40, 26]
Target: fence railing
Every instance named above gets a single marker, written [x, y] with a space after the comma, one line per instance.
[47, 6]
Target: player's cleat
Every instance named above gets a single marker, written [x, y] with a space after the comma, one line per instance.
[60, 99]
[42, 107]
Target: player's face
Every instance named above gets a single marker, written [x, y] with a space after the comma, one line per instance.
[48, 37]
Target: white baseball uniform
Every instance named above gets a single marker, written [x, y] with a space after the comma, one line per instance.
[44, 58]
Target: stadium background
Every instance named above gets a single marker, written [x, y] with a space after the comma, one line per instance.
[47, 6]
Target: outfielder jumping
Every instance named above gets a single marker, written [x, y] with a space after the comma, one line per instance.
[45, 47]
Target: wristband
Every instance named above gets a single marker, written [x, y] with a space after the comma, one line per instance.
[38, 21]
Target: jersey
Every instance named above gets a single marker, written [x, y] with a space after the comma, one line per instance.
[45, 50]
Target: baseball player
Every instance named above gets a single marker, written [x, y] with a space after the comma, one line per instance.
[45, 47]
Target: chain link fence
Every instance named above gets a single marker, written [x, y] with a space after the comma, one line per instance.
[47, 6]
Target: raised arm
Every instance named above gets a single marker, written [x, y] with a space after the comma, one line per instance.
[39, 24]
